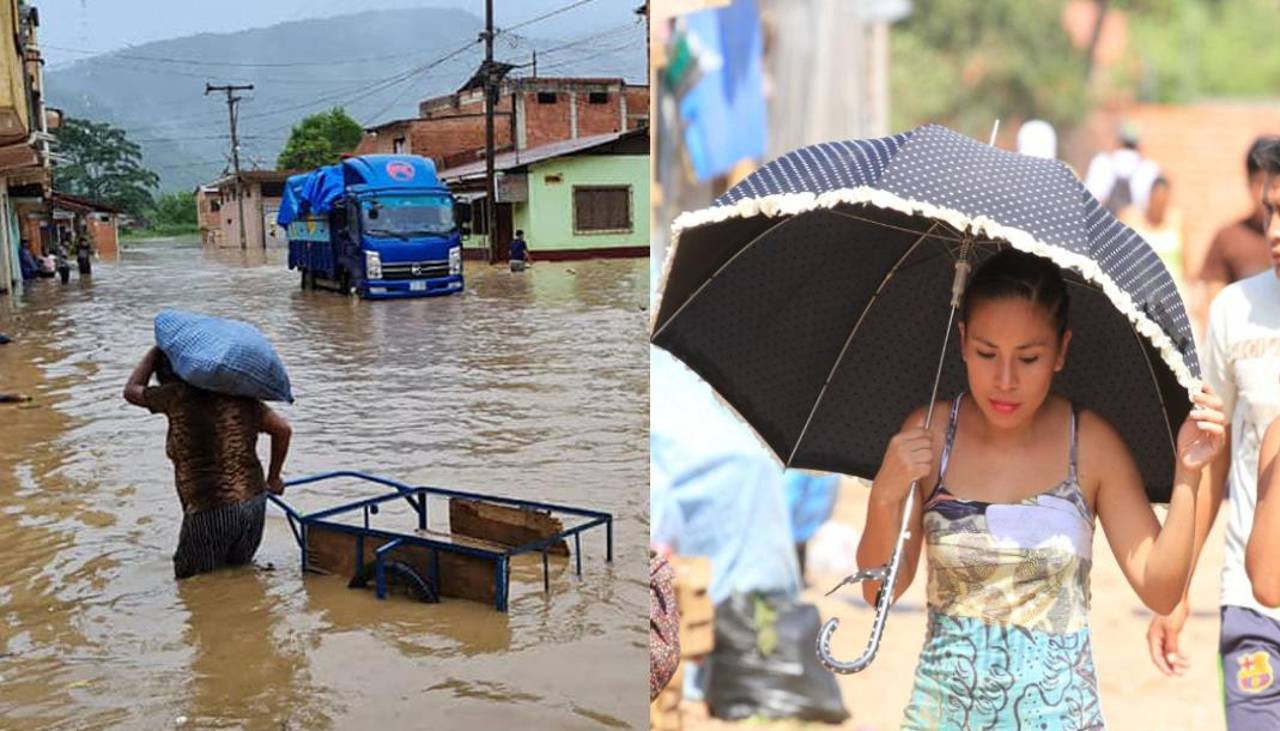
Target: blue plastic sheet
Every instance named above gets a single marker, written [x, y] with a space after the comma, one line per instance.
[312, 192]
[724, 113]
[222, 355]
[812, 498]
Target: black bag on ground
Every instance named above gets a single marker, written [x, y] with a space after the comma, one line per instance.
[765, 662]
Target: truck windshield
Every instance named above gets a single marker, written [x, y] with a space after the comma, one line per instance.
[402, 216]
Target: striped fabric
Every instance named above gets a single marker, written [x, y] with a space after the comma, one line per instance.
[225, 536]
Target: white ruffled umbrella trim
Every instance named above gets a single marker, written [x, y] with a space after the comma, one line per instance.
[791, 204]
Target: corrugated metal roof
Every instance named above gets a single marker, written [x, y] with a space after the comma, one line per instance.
[518, 158]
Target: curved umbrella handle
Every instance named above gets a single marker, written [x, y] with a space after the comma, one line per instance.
[888, 575]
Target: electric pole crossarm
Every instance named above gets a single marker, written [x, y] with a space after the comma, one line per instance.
[232, 118]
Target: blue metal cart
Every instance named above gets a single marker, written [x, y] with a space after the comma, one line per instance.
[440, 564]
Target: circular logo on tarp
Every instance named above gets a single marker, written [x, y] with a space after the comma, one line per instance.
[400, 170]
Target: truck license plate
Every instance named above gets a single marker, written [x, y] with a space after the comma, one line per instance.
[417, 286]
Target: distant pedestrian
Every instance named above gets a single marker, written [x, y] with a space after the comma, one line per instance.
[212, 442]
[1037, 138]
[1239, 249]
[84, 247]
[1161, 225]
[27, 262]
[60, 255]
[520, 257]
[1122, 177]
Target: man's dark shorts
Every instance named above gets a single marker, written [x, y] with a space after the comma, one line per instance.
[1249, 646]
[225, 536]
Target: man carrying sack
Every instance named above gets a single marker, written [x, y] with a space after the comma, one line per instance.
[213, 435]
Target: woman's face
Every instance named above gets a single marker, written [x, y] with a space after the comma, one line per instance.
[1011, 351]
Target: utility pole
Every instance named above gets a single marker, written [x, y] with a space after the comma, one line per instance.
[535, 63]
[232, 100]
[490, 99]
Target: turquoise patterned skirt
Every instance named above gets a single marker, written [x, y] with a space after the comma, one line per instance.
[974, 675]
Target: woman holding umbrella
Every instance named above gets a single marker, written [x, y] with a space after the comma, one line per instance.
[1009, 556]
[814, 296]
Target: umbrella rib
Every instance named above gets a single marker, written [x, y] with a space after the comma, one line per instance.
[903, 229]
[719, 269]
[958, 238]
[849, 340]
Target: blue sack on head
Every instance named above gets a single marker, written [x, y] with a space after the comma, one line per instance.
[221, 355]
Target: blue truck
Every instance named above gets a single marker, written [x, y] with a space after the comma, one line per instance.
[379, 226]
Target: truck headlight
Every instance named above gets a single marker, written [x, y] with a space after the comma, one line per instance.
[455, 260]
[373, 265]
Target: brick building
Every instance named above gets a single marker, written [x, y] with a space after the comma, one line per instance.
[531, 112]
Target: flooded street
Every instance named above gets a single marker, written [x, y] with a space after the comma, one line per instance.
[529, 385]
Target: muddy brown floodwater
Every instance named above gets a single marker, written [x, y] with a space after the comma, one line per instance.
[532, 385]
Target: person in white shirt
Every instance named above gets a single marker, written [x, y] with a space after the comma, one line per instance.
[1122, 177]
[1242, 363]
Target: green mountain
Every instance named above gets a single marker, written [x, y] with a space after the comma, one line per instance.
[376, 64]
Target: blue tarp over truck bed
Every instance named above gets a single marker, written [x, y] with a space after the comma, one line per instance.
[312, 192]
[316, 191]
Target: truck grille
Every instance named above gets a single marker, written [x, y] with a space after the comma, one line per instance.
[415, 270]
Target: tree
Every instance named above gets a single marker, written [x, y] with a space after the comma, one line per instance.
[103, 165]
[320, 139]
[175, 209]
[966, 64]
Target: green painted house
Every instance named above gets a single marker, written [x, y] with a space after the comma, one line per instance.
[575, 199]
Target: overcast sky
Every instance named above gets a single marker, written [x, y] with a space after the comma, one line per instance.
[105, 25]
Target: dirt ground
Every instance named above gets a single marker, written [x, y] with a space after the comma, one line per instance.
[1134, 694]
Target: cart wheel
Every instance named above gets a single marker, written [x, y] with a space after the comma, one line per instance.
[399, 574]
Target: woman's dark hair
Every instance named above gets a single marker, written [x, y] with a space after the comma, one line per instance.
[1013, 274]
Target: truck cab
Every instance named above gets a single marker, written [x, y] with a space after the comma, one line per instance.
[380, 226]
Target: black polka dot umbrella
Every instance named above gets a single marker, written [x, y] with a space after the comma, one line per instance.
[816, 297]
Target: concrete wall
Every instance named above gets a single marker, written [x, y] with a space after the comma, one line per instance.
[254, 209]
[209, 217]
[547, 218]
[106, 238]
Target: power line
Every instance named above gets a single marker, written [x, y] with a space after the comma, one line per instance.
[546, 15]
[232, 101]
[597, 54]
[619, 29]
[433, 64]
[126, 66]
[341, 96]
[369, 90]
[235, 64]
